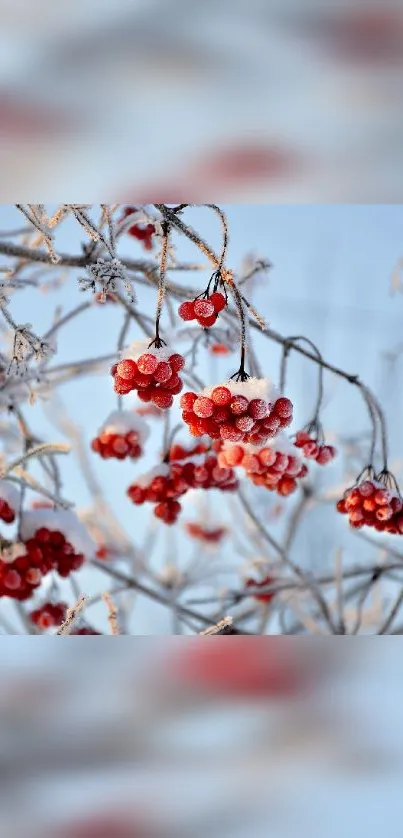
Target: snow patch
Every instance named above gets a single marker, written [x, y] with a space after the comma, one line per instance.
[145, 479]
[142, 347]
[63, 520]
[124, 421]
[252, 388]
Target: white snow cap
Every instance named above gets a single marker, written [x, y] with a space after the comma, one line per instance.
[63, 520]
[10, 494]
[252, 388]
[123, 421]
[142, 347]
[158, 471]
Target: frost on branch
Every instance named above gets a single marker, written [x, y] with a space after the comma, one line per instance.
[25, 343]
[110, 274]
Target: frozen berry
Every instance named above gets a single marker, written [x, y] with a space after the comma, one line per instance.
[186, 311]
[203, 308]
[147, 363]
[218, 300]
[203, 407]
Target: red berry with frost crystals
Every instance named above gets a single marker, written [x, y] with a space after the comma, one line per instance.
[187, 401]
[258, 408]
[203, 308]
[146, 394]
[203, 407]
[244, 423]
[283, 407]
[221, 396]
[221, 414]
[147, 363]
[127, 369]
[176, 361]
[366, 489]
[311, 450]
[218, 300]
[186, 311]
[230, 433]
[161, 399]
[239, 405]
[162, 372]
[286, 486]
[122, 386]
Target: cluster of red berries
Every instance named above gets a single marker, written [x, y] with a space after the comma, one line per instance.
[168, 482]
[47, 550]
[209, 536]
[143, 233]
[204, 309]
[9, 501]
[121, 436]
[372, 504]
[256, 585]
[225, 412]
[117, 446]
[313, 450]
[270, 467]
[49, 615]
[154, 375]
[179, 452]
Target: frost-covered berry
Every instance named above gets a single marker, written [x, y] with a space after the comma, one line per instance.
[186, 311]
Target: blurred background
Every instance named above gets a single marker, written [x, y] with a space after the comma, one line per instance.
[131, 740]
[246, 101]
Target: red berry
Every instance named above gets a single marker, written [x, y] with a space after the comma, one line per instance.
[302, 437]
[234, 455]
[146, 394]
[186, 311]
[267, 457]
[203, 308]
[206, 322]
[283, 407]
[221, 414]
[221, 396]
[147, 363]
[258, 408]
[286, 486]
[203, 407]
[187, 401]
[228, 432]
[163, 372]
[244, 423]
[239, 405]
[177, 362]
[218, 300]
[127, 369]
[162, 400]
[122, 386]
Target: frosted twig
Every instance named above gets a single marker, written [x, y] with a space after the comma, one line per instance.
[71, 616]
[37, 451]
[112, 613]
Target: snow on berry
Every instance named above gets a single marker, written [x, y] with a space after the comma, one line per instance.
[122, 435]
[371, 503]
[274, 466]
[153, 373]
[19, 574]
[313, 449]
[237, 411]
[9, 501]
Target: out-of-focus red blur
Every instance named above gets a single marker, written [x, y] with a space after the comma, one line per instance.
[187, 101]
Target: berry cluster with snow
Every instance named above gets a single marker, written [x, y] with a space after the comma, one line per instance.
[237, 411]
[152, 372]
[122, 435]
[274, 466]
[372, 504]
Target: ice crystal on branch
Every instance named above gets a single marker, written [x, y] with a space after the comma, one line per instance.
[26, 343]
[109, 274]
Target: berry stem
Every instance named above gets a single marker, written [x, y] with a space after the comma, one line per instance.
[157, 342]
